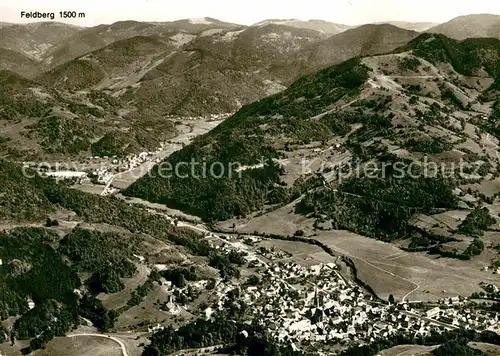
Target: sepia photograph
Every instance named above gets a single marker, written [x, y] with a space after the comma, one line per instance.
[250, 178]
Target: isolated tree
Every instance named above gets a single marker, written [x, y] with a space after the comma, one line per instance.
[391, 299]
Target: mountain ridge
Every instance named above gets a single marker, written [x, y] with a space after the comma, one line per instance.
[359, 41]
[414, 26]
[470, 26]
[36, 39]
[322, 26]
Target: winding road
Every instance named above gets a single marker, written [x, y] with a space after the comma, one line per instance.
[391, 274]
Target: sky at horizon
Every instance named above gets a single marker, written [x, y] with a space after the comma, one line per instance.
[349, 12]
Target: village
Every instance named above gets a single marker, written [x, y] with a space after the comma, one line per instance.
[98, 174]
[316, 307]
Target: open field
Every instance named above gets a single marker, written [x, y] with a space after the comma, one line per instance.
[198, 352]
[160, 207]
[86, 341]
[282, 221]
[389, 270]
[443, 223]
[132, 342]
[487, 187]
[81, 346]
[408, 350]
[15, 350]
[488, 349]
[302, 253]
[419, 350]
[89, 188]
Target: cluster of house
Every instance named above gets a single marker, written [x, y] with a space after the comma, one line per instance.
[220, 116]
[465, 317]
[316, 306]
[105, 175]
[303, 306]
[122, 165]
[313, 304]
[132, 161]
[102, 175]
[494, 269]
[274, 253]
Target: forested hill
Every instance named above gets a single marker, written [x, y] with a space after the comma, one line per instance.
[468, 57]
[40, 122]
[61, 268]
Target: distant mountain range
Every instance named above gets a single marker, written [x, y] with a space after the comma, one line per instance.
[52, 43]
[90, 39]
[216, 71]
